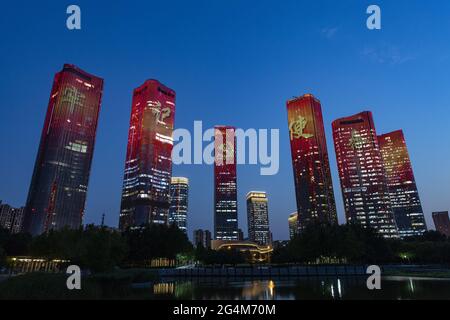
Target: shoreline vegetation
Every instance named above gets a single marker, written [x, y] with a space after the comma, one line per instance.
[135, 283]
[112, 261]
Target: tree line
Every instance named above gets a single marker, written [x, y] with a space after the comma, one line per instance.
[100, 249]
[351, 243]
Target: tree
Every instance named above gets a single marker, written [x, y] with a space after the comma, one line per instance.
[14, 244]
[223, 256]
[156, 241]
[95, 248]
[2, 258]
[332, 242]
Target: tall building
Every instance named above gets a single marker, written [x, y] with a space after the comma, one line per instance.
[11, 218]
[202, 237]
[148, 164]
[258, 218]
[442, 222]
[225, 188]
[179, 191]
[293, 225]
[401, 184]
[312, 177]
[57, 193]
[362, 175]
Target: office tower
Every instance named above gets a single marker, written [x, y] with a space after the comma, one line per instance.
[11, 218]
[362, 176]
[240, 235]
[202, 237]
[442, 222]
[57, 193]
[312, 177]
[401, 184]
[225, 189]
[258, 218]
[148, 165]
[293, 226]
[179, 190]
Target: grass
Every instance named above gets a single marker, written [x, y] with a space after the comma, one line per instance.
[46, 286]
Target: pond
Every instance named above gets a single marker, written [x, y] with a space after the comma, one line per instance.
[305, 288]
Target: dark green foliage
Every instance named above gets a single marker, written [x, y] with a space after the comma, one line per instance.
[14, 244]
[2, 258]
[95, 248]
[209, 256]
[350, 243]
[155, 241]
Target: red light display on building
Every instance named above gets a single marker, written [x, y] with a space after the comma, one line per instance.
[402, 187]
[148, 165]
[312, 177]
[57, 194]
[362, 176]
[225, 184]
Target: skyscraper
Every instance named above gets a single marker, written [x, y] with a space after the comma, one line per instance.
[225, 188]
[57, 193]
[11, 218]
[148, 165]
[442, 222]
[179, 191]
[401, 184]
[312, 177]
[258, 218]
[362, 175]
[293, 227]
[202, 237]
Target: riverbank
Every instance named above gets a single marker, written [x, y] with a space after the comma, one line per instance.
[52, 286]
[161, 283]
[280, 271]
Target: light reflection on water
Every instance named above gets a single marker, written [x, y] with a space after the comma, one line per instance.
[306, 288]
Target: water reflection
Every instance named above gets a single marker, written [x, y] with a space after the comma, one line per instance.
[306, 288]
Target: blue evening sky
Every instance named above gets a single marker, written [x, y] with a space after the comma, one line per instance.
[231, 62]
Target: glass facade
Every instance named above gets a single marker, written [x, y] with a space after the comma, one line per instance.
[442, 222]
[258, 218]
[361, 172]
[402, 187]
[11, 218]
[225, 188]
[179, 191]
[148, 164]
[312, 177]
[57, 194]
[202, 237]
[293, 225]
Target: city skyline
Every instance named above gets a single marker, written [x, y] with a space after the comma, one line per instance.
[227, 79]
[389, 154]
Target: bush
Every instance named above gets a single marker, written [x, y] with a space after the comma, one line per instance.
[95, 248]
[2, 258]
[350, 243]
[156, 241]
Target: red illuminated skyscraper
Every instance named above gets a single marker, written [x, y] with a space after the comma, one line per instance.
[361, 171]
[225, 189]
[312, 177]
[148, 165]
[57, 194]
[402, 187]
